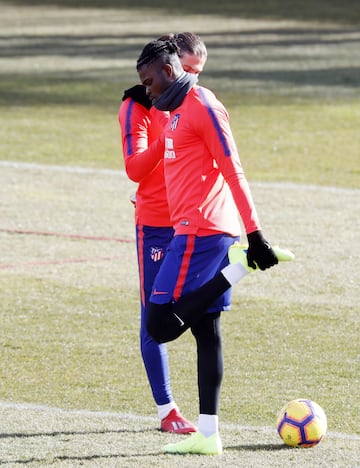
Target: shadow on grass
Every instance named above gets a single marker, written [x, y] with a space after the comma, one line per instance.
[80, 458]
[104, 84]
[28, 435]
[329, 76]
[322, 10]
[258, 447]
[105, 88]
[116, 46]
[74, 458]
[84, 458]
[114, 456]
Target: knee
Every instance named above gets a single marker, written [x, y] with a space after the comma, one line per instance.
[162, 324]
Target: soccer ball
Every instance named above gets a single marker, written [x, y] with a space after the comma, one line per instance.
[301, 423]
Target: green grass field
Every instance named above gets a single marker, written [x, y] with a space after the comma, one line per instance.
[73, 391]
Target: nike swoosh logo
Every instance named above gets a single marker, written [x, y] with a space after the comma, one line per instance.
[182, 323]
[157, 293]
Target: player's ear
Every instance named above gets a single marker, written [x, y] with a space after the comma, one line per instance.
[168, 69]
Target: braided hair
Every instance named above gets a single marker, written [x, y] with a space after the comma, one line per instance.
[155, 50]
[187, 42]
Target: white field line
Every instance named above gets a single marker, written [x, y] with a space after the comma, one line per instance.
[55, 168]
[136, 417]
[122, 173]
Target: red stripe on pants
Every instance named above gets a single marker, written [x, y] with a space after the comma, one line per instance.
[190, 243]
[140, 246]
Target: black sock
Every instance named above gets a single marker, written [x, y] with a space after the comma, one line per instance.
[210, 361]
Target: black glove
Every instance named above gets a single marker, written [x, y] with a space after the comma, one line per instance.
[260, 254]
[138, 93]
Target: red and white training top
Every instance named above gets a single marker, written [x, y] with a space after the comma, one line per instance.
[203, 173]
[143, 150]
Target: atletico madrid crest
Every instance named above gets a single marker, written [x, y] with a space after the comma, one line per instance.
[175, 121]
[156, 254]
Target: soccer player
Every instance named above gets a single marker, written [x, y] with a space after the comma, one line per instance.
[141, 125]
[206, 190]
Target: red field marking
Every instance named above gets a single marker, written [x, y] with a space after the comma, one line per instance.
[70, 236]
[62, 261]
[58, 262]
